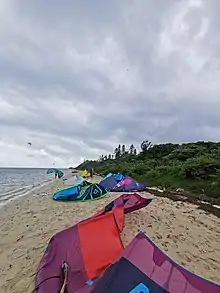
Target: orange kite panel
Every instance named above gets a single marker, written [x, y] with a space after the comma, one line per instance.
[100, 242]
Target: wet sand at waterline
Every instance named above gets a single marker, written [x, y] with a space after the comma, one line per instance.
[188, 235]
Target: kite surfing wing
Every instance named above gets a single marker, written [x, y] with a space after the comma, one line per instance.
[88, 248]
[94, 191]
[128, 184]
[56, 171]
[67, 194]
[143, 267]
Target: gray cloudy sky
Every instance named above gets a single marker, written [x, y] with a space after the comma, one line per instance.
[79, 77]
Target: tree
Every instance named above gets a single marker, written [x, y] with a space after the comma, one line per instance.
[131, 149]
[146, 145]
[135, 152]
[105, 158]
[117, 153]
[109, 156]
[119, 150]
[123, 149]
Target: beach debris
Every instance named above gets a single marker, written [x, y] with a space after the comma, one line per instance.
[180, 190]
[21, 237]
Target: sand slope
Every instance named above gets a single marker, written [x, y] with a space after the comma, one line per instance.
[188, 235]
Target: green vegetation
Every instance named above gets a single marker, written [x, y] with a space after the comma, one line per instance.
[192, 166]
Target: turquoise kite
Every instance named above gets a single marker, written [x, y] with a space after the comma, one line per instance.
[55, 171]
[81, 192]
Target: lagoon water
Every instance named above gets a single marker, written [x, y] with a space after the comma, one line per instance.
[15, 182]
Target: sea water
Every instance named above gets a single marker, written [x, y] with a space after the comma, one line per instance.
[15, 182]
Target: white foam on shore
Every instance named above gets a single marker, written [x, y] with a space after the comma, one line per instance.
[215, 206]
[9, 198]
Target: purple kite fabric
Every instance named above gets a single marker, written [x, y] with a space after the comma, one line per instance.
[144, 254]
[128, 184]
[154, 270]
[132, 202]
[109, 183]
[139, 268]
[69, 246]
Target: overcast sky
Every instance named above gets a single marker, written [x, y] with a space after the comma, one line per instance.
[79, 77]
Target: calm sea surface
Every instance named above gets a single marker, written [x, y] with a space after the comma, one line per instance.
[15, 182]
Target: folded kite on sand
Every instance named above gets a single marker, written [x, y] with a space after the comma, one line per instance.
[121, 183]
[85, 191]
[88, 247]
[143, 267]
[89, 257]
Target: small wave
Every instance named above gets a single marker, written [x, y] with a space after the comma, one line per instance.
[15, 192]
[12, 191]
[23, 192]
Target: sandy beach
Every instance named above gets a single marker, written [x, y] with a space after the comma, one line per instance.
[188, 235]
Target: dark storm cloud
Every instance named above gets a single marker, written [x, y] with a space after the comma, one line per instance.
[77, 78]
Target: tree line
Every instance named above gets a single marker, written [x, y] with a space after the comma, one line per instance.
[121, 151]
[193, 166]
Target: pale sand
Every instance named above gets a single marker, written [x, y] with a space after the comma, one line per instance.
[188, 235]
